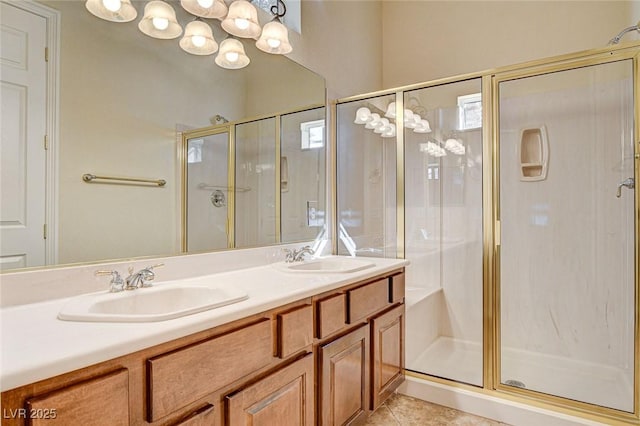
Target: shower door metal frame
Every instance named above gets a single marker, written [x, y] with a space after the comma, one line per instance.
[600, 57]
[491, 229]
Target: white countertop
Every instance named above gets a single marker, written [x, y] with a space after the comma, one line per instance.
[37, 345]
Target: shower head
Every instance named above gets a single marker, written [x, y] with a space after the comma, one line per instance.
[617, 38]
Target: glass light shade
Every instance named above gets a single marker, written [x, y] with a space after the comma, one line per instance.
[112, 10]
[390, 132]
[423, 127]
[391, 110]
[363, 115]
[373, 122]
[205, 8]
[274, 39]
[159, 21]
[408, 119]
[242, 20]
[382, 126]
[198, 39]
[231, 55]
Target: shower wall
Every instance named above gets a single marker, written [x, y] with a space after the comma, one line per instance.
[567, 258]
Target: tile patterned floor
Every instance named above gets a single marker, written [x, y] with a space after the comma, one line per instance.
[401, 410]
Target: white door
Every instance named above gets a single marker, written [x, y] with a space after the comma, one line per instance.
[23, 75]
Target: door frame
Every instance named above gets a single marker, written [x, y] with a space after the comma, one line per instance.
[492, 231]
[52, 18]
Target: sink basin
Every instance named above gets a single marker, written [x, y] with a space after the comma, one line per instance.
[331, 265]
[148, 304]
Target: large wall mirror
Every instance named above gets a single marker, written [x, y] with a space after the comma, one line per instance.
[125, 100]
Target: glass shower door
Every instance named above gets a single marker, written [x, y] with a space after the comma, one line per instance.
[207, 159]
[566, 262]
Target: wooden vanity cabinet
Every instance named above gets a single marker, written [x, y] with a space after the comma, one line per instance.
[344, 378]
[387, 337]
[282, 398]
[324, 360]
[100, 401]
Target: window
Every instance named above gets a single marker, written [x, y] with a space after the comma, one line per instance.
[470, 111]
[312, 133]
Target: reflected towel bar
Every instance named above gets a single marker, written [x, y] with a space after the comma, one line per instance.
[89, 178]
[223, 188]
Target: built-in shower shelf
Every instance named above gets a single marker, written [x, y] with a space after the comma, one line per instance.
[534, 154]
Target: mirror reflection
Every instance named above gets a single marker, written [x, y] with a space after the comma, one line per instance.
[125, 100]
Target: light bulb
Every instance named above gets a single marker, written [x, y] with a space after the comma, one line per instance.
[205, 3]
[242, 23]
[273, 42]
[198, 40]
[160, 24]
[112, 5]
[232, 56]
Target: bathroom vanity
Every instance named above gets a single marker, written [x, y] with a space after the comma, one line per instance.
[319, 349]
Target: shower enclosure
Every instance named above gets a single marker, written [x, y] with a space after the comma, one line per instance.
[512, 193]
[238, 185]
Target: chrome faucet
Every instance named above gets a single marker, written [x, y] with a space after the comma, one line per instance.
[116, 284]
[142, 278]
[297, 255]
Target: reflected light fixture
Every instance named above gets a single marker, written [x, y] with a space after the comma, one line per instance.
[275, 37]
[112, 10]
[159, 20]
[231, 54]
[363, 115]
[242, 20]
[391, 110]
[216, 9]
[198, 39]
[373, 121]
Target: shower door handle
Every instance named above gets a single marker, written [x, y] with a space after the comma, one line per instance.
[628, 183]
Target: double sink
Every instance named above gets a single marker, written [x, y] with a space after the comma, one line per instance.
[176, 299]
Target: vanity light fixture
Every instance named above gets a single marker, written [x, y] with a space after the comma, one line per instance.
[363, 115]
[216, 9]
[159, 20]
[231, 54]
[391, 110]
[275, 37]
[242, 20]
[198, 39]
[373, 121]
[112, 10]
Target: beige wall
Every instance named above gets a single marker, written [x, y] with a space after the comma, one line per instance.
[425, 40]
[341, 40]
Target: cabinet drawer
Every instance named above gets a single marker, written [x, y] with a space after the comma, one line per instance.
[396, 294]
[366, 300]
[295, 330]
[181, 377]
[331, 315]
[100, 401]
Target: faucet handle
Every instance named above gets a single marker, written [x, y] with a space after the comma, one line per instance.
[116, 283]
[289, 255]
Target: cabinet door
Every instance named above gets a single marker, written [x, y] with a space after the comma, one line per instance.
[202, 417]
[344, 378]
[100, 401]
[283, 398]
[388, 354]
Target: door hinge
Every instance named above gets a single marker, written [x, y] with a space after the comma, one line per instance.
[46, 142]
[46, 54]
[44, 231]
